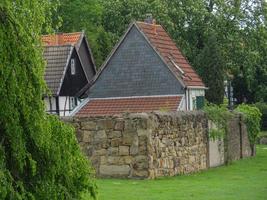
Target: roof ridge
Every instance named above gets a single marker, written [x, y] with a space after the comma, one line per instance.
[63, 45]
[61, 33]
[149, 23]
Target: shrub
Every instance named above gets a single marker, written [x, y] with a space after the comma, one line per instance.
[252, 118]
[219, 115]
[263, 109]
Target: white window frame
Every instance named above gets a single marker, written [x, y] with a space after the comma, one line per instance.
[72, 66]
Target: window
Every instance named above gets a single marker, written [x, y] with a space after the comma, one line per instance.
[73, 102]
[200, 102]
[72, 66]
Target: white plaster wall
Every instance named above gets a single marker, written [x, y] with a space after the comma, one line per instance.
[216, 152]
[64, 104]
[182, 106]
[53, 103]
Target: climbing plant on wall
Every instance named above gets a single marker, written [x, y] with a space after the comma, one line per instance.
[219, 116]
[39, 155]
[252, 118]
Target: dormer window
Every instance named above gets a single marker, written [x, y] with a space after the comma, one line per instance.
[72, 66]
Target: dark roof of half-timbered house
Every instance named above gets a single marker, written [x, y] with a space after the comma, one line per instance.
[57, 59]
[75, 39]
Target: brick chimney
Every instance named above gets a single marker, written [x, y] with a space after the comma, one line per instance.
[59, 38]
[149, 19]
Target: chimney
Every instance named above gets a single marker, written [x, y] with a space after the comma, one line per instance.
[59, 38]
[149, 19]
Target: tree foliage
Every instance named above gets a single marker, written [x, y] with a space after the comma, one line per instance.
[39, 155]
[234, 30]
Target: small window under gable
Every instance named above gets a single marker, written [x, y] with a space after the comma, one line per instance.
[72, 66]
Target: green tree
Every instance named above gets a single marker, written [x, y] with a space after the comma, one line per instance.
[211, 68]
[39, 155]
[238, 26]
[85, 15]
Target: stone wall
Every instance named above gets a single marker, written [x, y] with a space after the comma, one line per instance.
[178, 144]
[237, 143]
[144, 145]
[153, 145]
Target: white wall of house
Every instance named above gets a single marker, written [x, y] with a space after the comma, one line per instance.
[50, 105]
[191, 97]
[66, 105]
[182, 106]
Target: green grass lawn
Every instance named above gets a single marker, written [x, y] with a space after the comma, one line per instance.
[245, 179]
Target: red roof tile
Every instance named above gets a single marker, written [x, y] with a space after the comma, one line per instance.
[61, 39]
[108, 106]
[168, 50]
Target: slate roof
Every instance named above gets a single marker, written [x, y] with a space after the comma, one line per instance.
[62, 39]
[57, 58]
[112, 106]
[171, 54]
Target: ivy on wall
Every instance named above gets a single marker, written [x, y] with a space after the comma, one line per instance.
[252, 119]
[219, 116]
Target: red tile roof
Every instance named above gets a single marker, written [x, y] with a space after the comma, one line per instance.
[61, 39]
[109, 106]
[168, 50]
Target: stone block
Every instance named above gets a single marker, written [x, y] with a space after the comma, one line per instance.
[141, 158]
[100, 152]
[144, 132]
[119, 126]
[123, 150]
[100, 135]
[140, 174]
[134, 150]
[105, 124]
[114, 160]
[127, 159]
[113, 151]
[114, 134]
[114, 170]
[88, 125]
[79, 135]
[129, 125]
[116, 142]
[87, 136]
[103, 160]
[129, 137]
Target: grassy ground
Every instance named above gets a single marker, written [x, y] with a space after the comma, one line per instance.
[242, 180]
